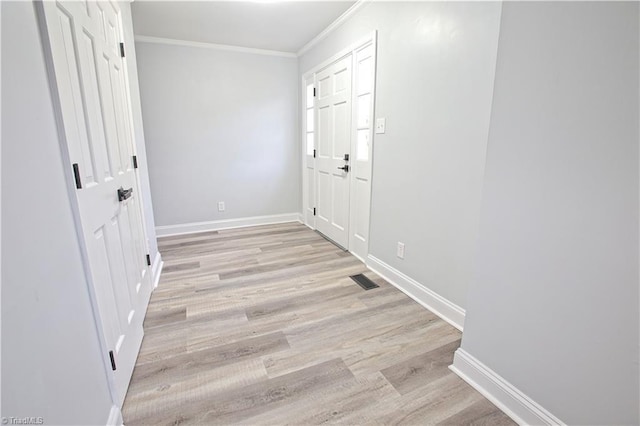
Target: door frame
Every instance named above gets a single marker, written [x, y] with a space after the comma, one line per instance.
[307, 161]
[115, 415]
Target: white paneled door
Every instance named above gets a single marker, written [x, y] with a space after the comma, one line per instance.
[89, 74]
[333, 133]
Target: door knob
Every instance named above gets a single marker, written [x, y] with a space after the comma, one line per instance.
[345, 168]
[123, 194]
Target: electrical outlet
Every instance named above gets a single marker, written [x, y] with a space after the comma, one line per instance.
[400, 251]
[381, 124]
[220, 206]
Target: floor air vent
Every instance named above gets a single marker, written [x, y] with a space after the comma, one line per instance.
[364, 282]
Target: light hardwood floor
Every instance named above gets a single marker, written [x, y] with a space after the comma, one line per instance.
[263, 326]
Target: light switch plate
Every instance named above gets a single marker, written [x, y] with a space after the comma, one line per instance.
[380, 125]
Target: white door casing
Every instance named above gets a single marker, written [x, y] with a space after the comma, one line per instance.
[89, 79]
[309, 151]
[333, 136]
[363, 60]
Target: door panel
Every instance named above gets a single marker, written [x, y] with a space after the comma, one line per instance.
[324, 199]
[104, 274]
[333, 125]
[340, 198]
[342, 79]
[117, 272]
[311, 196]
[342, 134]
[324, 126]
[324, 87]
[90, 76]
[98, 144]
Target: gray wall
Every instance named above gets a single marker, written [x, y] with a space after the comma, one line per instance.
[436, 63]
[220, 126]
[554, 303]
[51, 361]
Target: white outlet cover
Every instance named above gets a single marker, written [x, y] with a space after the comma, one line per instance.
[221, 206]
[380, 125]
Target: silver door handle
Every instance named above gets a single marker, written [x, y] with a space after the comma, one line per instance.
[124, 194]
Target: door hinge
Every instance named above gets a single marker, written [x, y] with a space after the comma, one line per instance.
[314, 153]
[122, 50]
[314, 211]
[314, 92]
[135, 162]
[76, 175]
[148, 260]
[113, 360]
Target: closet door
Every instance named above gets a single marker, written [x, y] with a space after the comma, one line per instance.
[89, 72]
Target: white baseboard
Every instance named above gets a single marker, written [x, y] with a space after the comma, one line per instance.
[445, 309]
[301, 218]
[190, 228]
[361, 259]
[115, 417]
[522, 409]
[156, 270]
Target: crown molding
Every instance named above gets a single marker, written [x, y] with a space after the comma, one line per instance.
[317, 39]
[229, 48]
[332, 27]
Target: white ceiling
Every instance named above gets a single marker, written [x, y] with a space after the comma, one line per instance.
[262, 24]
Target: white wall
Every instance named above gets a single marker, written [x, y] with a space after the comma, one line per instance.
[435, 74]
[51, 361]
[553, 308]
[219, 126]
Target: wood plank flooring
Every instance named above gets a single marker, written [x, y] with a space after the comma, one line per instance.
[263, 326]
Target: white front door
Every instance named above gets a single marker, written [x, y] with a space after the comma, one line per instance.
[333, 133]
[84, 40]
